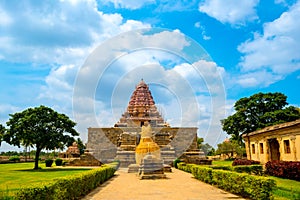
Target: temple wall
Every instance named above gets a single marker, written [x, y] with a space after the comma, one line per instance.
[103, 142]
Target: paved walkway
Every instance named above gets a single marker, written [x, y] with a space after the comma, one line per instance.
[178, 185]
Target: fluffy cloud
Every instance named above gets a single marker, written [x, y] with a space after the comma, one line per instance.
[42, 32]
[188, 94]
[161, 5]
[230, 11]
[129, 4]
[273, 54]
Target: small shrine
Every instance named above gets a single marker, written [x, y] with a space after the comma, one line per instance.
[72, 152]
[149, 164]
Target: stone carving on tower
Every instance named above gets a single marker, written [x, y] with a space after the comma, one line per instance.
[141, 109]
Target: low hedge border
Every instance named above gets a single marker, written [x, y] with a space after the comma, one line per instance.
[245, 185]
[250, 169]
[71, 187]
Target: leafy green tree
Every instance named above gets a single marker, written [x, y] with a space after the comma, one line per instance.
[39, 127]
[199, 142]
[211, 152]
[230, 148]
[258, 111]
[206, 148]
[81, 146]
[2, 131]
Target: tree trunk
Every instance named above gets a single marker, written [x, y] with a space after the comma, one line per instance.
[37, 156]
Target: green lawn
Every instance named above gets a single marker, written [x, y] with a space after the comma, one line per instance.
[222, 162]
[286, 189]
[17, 175]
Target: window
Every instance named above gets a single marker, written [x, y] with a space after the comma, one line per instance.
[287, 148]
[261, 147]
[253, 148]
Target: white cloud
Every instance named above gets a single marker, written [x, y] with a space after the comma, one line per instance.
[5, 19]
[55, 28]
[273, 54]
[203, 31]
[189, 94]
[258, 79]
[230, 11]
[129, 4]
[5, 110]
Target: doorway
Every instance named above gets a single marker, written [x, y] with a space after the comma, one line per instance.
[274, 149]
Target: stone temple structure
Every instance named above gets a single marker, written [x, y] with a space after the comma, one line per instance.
[120, 142]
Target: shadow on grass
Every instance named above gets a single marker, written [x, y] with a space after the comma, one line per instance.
[53, 169]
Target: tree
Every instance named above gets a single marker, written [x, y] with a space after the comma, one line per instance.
[199, 142]
[206, 148]
[2, 131]
[39, 127]
[258, 111]
[230, 148]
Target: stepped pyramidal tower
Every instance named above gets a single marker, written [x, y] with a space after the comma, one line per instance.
[120, 142]
[141, 109]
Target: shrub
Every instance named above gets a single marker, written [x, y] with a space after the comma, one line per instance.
[203, 174]
[243, 184]
[245, 162]
[222, 167]
[58, 162]
[246, 185]
[175, 162]
[72, 187]
[185, 167]
[284, 169]
[252, 169]
[48, 162]
[14, 158]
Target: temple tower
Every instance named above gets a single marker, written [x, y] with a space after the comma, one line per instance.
[141, 109]
[120, 142]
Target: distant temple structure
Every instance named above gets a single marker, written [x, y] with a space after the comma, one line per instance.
[120, 142]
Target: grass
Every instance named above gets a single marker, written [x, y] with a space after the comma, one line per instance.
[17, 175]
[286, 189]
[222, 162]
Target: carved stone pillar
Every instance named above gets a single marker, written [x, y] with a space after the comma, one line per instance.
[267, 151]
[257, 150]
[281, 150]
[294, 150]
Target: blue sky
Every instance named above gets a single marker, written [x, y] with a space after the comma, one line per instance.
[84, 58]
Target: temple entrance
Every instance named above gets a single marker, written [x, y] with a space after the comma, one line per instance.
[274, 149]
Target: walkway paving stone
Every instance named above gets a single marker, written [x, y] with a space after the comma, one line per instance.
[178, 185]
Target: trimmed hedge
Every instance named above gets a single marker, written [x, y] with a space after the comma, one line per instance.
[14, 158]
[245, 162]
[72, 187]
[284, 169]
[58, 162]
[185, 167]
[250, 169]
[242, 184]
[48, 162]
